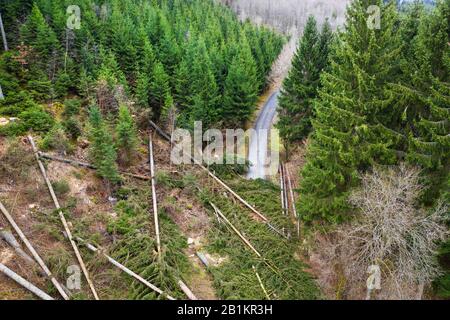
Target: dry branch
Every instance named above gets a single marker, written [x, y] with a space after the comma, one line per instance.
[125, 269]
[33, 251]
[63, 219]
[24, 283]
[391, 232]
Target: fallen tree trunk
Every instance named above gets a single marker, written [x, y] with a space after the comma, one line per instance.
[125, 269]
[88, 165]
[285, 189]
[68, 161]
[24, 283]
[62, 218]
[33, 251]
[283, 204]
[235, 230]
[166, 136]
[153, 182]
[260, 283]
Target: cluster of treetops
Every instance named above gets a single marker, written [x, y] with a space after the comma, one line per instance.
[192, 56]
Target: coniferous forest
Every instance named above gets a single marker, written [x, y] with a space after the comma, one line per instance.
[91, 92]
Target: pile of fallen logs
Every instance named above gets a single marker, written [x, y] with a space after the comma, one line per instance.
[287, 195]
[36, 259]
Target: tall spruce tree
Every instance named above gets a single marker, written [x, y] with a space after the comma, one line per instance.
[300, 87]
[325, 43]
[422, 103]
[35, 32]
[204, 95]
[430, 128]
[353, 108]
[44, 57]
[241, 87]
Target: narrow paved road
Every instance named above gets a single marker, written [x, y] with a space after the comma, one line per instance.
[258, 146]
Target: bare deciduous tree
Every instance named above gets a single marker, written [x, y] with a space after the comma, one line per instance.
[289, 16]
[392, 232]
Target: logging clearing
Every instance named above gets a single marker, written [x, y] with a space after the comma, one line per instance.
[140, 142]
[193, 213]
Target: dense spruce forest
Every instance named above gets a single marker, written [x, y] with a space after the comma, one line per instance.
[363, 116]
[191, 54]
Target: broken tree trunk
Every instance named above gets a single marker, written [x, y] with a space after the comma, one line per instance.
[124, 269]
[203, 258]
[153, 182]
[88, 165]
[1, 93]
[62, 218]
[186, 290]
[9, 238]
[33, 251]
[24, 283]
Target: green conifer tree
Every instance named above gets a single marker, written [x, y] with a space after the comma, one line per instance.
[352, 113]
[126, 136]
[182, 85]
[159, 90]
[102, 150]
[241, 88]
[142, 90]
[300, 86]
[430, 134]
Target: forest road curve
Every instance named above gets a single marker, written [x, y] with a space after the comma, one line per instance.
[258, 145]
